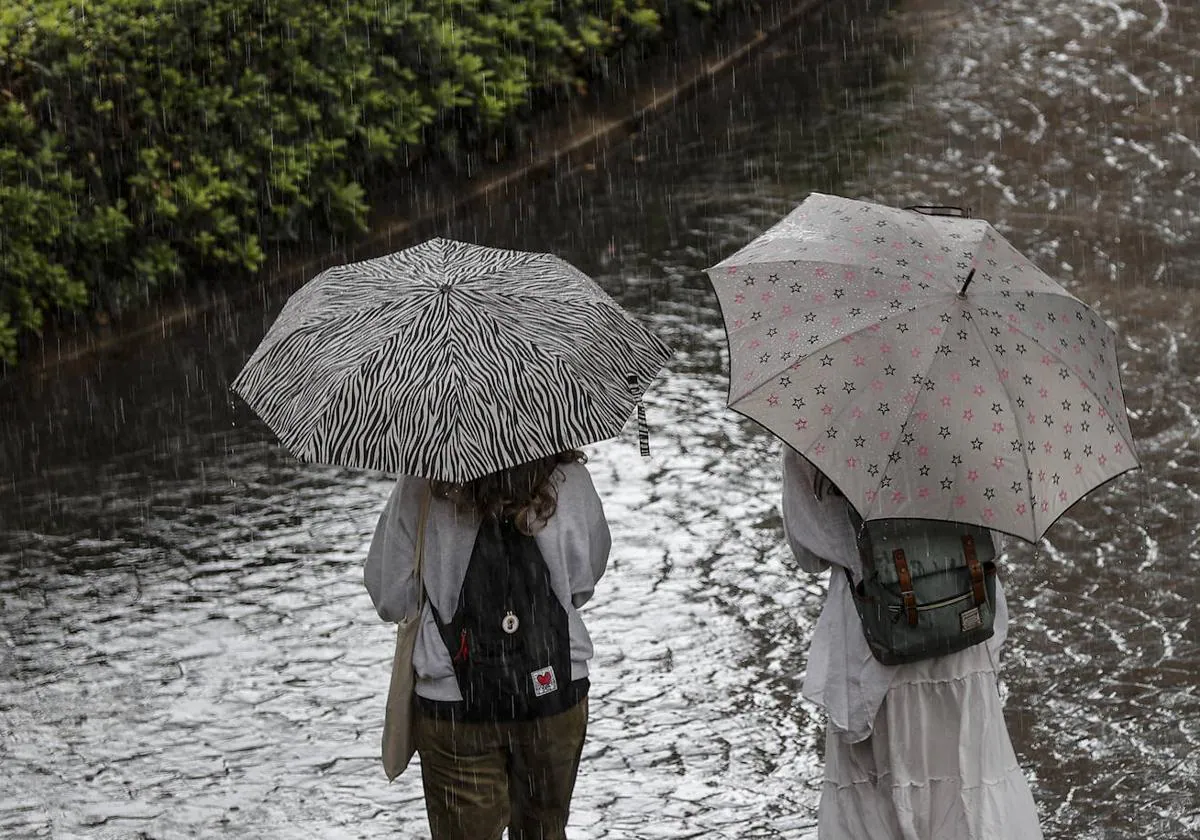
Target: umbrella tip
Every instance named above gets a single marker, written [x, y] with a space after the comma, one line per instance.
[962, 293]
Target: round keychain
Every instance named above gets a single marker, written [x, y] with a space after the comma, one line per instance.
[510, 623]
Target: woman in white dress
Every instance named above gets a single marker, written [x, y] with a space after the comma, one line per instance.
[912, 752]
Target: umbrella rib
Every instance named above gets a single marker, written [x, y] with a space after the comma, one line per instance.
[581, 382]
[1081, 380]
[913, 406]
[269, 342]
[1010, 398]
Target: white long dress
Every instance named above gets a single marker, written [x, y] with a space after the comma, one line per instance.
[912, 752]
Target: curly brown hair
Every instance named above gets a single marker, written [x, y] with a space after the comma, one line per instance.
[525, 492]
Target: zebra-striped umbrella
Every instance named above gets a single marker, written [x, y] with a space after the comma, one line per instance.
[449, 360]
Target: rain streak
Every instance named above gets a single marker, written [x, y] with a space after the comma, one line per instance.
[186, 649]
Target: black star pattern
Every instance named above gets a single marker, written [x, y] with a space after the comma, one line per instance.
[966, 359]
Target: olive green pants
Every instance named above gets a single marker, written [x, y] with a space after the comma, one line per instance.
[482, 777]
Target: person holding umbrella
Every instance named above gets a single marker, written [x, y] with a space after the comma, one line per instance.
[475, 374]
[918, 367]
[487, 765]
[912, 752]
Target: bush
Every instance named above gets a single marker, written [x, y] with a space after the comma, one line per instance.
[147, 141]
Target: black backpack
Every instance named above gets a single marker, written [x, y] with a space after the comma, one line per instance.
[509, 638]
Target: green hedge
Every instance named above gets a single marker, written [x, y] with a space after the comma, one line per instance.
[143, 142]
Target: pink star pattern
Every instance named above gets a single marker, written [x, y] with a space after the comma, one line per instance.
[1001, 407]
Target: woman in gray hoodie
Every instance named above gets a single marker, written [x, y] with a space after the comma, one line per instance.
[490, 765]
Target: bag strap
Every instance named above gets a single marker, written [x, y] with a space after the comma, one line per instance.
[906, 586]
[977, 587]
[419, 560]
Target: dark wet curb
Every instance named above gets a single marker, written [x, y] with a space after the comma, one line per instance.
[585, 134]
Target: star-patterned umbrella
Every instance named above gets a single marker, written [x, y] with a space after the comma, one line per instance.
[921, 362]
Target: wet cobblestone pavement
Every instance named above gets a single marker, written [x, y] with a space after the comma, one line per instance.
[186, 649]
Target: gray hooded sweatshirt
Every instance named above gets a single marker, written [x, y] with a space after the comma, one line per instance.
[574, 543]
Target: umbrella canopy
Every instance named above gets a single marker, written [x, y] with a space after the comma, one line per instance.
[449, 360]
[924, 365]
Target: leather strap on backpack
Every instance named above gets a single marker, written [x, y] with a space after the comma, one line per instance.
[906, 586]
[976, 570]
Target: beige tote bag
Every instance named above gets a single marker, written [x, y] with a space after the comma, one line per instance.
[398, 719]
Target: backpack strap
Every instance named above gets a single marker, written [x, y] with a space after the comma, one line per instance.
[906, 586]
[976, 570]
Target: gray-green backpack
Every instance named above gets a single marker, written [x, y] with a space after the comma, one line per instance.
[928, 587]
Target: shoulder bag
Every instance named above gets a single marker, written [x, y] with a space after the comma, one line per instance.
[398, 719]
